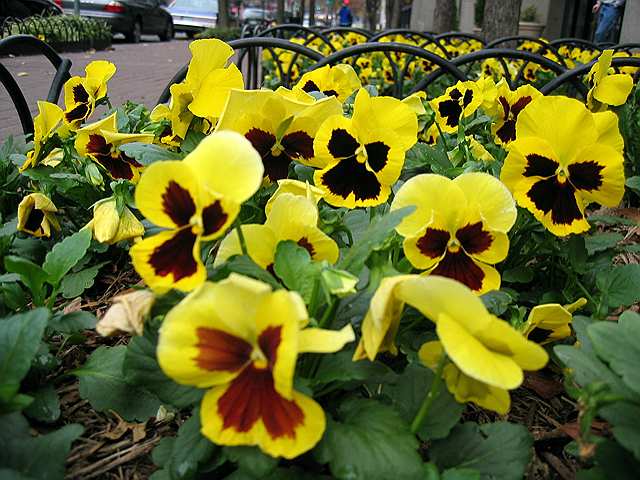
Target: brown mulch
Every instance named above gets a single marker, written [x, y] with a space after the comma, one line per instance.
[112, 448]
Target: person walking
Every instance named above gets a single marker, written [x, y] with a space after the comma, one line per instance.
[609, 11]
[344, 15]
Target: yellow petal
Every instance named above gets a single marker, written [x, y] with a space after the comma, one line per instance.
[318, 340]
[169, 259]
[260, 241]
[210, 99]
[227, 164]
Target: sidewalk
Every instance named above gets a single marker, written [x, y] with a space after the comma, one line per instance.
[143, 71]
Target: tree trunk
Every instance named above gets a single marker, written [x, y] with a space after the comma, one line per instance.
[396, 5]
[280, 12]
[302, 6]
[312, 12]
[501, 18]
[223, 14]
[444, 16]
[373, 7]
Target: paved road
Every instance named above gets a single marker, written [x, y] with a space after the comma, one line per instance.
[143, 71]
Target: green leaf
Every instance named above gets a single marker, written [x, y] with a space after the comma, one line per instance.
[74, 322]
[408, 394]
[45, 406]
[294, 267]
[373, 237]
[498, 450]
[41, 457]
[102, 383]
[191, 141]
[251, 460]
[186, 452]
[633, 183]
[369, 441]
[460, 474]
[339, 367]
[620, 285]
[31, 275]
[602, 241]
[245, 266]
[141, 368]
[623, 417]
[613, 463]
[587, 369]
[20, 337]
[75, 283]
[64, 255]
[518, 275]
[618, 345]
[148, 153]
[497, 302]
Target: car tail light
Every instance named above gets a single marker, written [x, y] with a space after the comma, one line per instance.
[114, 7]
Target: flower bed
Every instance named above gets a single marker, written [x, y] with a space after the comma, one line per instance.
[64, 33]
[323, 281]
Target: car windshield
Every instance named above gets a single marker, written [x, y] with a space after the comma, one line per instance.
[197, 5]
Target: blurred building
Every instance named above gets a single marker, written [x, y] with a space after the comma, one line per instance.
[557, 18]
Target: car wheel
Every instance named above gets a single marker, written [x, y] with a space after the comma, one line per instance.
[136, 32]
[168, 32]
[191, 34]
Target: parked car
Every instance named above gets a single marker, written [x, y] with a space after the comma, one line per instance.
[255, 15]
[28, 8]
[193, 16]
[129, 17]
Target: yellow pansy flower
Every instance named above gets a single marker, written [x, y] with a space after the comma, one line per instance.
[100, 141]
[481, 345]
[551, 321]
[195, 199]
[459, 228]
[82, 93]
[294, 187]
[463, 387]
[382, 320]
[607, 89]
[478, 151]
[44, 126]
[339, 81]
[36, 215]
[240, 340]
[508, 106]
[563, 159]
[110, 226]
[292, 217]
[458, 102]
[204, 91]
[361, 157]
[280, 128]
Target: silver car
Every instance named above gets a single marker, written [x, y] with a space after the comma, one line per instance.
[193, 16]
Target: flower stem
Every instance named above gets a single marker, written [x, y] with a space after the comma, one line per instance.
[243, 244]
[431, 395]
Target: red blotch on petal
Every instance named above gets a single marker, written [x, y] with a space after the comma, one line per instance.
[218, 350]
[269, 340]
[459, 266]
[474, 239]
[175, 256]
[251, 397]
[433, 243]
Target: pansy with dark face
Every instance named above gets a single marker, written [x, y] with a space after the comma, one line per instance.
[507, 107]
[240, 340]
[459, 228]
[339, 81]
[82, 93]
[101, 140]
[195, 199]
[563, 159]
[363, 156]
[458, 102]
[36, 215]
[280, 125]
